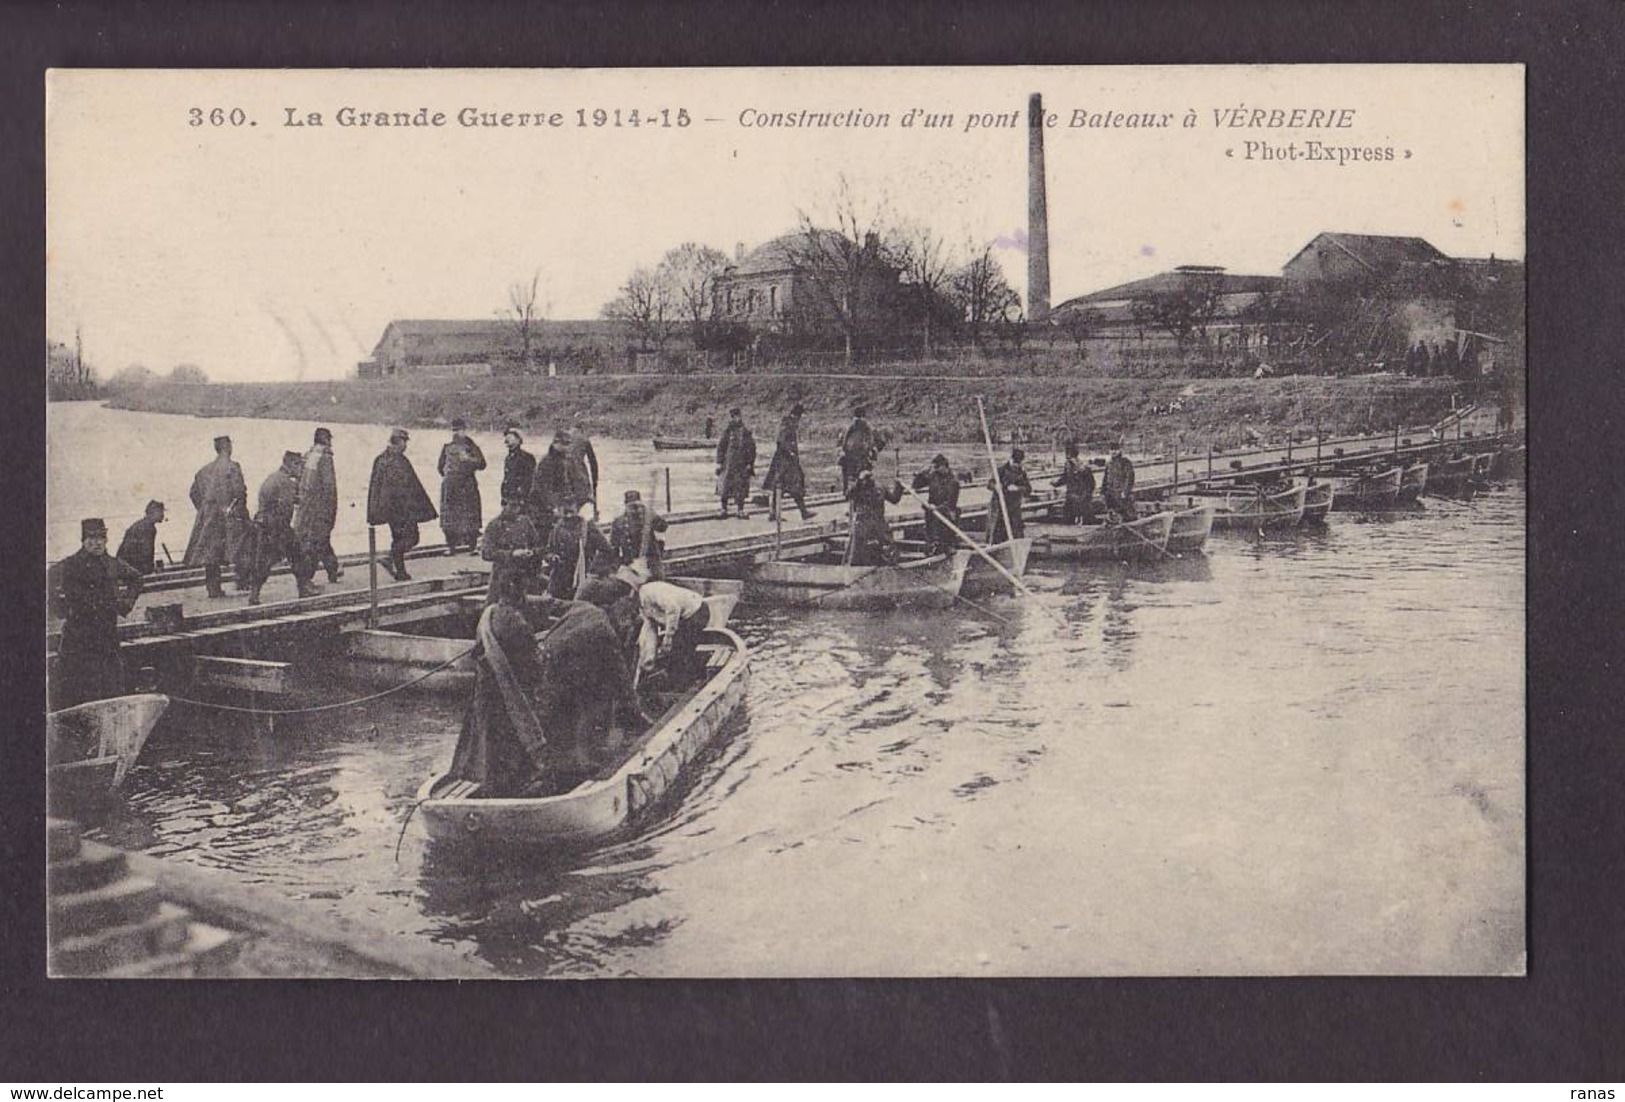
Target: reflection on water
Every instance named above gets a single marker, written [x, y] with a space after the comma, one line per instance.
[1300, 751]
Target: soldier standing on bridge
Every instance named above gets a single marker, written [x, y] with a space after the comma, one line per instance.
[861, 444]
[513, 548]
[273, 523]
[460, 461]
[518, 468]
[90, 590]
[634, 535]
[139, 546]
[1117, 487]
[397, 498]
[220, 497]
[319, 506]
[736, 462]
[784, 472]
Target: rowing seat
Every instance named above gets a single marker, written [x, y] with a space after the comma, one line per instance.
[458, 790]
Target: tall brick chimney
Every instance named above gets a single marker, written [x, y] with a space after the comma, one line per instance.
[1037, 215]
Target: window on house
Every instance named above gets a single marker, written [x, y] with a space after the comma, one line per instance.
[773, 300]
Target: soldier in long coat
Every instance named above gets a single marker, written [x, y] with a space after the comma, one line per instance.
[460, 461]
[1117, 486]
[139, 548]
[319, 506]
[273, 522]
[1078, 479]
[635, 535]
[784, 472]
[583, 469]
[518, 467]
[736, 462]
[513, 547]
[558, 486]
[871, 540]
[941, 488]
[860, 445]
[564, 546]
[220, 497]
[395, 497]
[1012, 481]
[90, 590]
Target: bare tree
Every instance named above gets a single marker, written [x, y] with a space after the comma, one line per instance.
[524, 313]
[1185, 311]
[927, 263]
[689, 274]
[983, 295]
[844, 264]
[644, 305]
[1081, 323]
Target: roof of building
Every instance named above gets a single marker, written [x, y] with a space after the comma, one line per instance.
[1376, 253]
[787, 252]
[481, 334]
[1169, 282]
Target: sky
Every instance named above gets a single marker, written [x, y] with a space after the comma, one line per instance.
[261, 251]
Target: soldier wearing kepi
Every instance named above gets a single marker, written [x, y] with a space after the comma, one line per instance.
[784, 472]
[460, 461]
[518, 468]
[861, 443]
[941, 488]
[397, 498]
[512, 546]
[220, 497]
[552, 492]
[572, 535]
[871, 540]
[90, 590]
[1117, 487]
[139, 548]
[319, 506]
[273, 521]
[1013, 483]
[635, 535]
[1079, 482]
[736, 462]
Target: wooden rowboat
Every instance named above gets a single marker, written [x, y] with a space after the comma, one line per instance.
[822, 582]
[683, 444]
[1189, 529]
[1412, 481]
[90, 747]
[982, 578]
[441, 664]
[1367, 490]
[1107, 541]
[1448, 477]
[617, 799]
[1255, 508]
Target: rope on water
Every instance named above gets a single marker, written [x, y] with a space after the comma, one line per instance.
[326, 707]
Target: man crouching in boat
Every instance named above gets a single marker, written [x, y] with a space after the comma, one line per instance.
[542, 716]
[676, 617]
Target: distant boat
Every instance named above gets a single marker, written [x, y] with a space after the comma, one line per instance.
[1104, 541]
[823, 582]
[1318, 498]
[90, 747]
[982, 578]
[1255, 508]
[1189, 529]
[624, 795]
[683, 444]
[1449, 477]
[1412, 481]
[1367, 490]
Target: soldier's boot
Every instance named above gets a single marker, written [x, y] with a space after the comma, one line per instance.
[211, 578]
[806, 513]
[398, 561]
[308, 589]
[253, 594]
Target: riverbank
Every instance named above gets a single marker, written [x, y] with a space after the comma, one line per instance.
[938, 410]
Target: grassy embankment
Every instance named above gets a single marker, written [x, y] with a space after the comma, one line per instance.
[1095, 410]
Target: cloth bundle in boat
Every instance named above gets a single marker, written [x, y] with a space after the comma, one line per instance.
[501, 747]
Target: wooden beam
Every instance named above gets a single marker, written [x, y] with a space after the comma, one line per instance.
[243, 673]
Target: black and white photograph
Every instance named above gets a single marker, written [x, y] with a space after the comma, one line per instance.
[786, 523]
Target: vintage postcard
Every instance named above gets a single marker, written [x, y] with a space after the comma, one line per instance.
[787, 522]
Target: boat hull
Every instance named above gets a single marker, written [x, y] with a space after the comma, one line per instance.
[926, 583]
[683, 444]
[1413, 481]
[1318, 499]
[1354, 493]
[1241, 510]
[599, 809]
[1189, 529]
[1146, 538]
[982, 579]
[91, 747]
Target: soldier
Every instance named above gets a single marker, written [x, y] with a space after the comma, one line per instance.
[460, 461]
[678, 617]
[319, 506]
[1117, 487]
[941, 488]
[273, 523]
[553, 489]
[220, 497]
[871, 541]
[784, 472]
[634, 535]
[584, 682]
[1013, 482]
[140, 543]
[570, 536]
[397, 498]
[1079, 480]
[518, 468]
[860, 444]
[736, 462]
[90, 590]
[583, 470]
[513, 548]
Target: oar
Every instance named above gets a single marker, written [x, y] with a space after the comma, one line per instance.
[992, 460]
[976, 547]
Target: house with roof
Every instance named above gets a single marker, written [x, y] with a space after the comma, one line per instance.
[423, 347]
[1121, 307]
[1342, 258]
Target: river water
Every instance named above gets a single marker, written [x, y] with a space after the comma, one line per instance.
[1292, 754]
